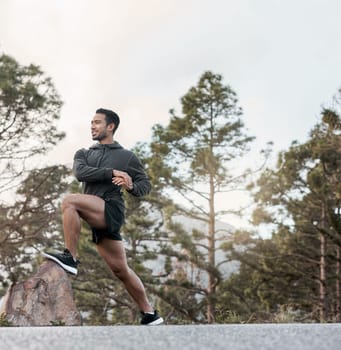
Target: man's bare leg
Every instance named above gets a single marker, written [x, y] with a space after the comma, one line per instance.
[76, 206]
[114, 255]
[91, 209]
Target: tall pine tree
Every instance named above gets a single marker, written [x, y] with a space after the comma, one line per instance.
[301, 200]
[192, 158]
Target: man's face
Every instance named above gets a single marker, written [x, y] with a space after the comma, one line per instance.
[99, 128]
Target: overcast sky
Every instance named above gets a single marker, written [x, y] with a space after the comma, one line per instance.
[283, 58]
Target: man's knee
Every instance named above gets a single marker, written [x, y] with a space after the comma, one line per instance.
[121, 272]
[69, 201]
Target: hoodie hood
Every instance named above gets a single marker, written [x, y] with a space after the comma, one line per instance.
[114, 145]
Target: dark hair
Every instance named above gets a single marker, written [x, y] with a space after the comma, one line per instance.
[110, 117]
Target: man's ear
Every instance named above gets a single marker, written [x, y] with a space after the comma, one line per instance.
[111, 127]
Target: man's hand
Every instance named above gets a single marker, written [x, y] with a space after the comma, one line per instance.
[121, 178]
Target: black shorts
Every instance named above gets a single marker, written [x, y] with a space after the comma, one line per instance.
[114, 218]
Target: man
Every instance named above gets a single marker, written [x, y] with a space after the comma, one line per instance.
[105, 169]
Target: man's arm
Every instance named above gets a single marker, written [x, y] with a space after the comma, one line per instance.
[85, 173]
[141, 183]
[135, 181]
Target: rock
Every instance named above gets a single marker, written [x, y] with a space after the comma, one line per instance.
[43, 300]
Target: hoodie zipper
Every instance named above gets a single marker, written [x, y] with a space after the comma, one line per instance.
[100, 160]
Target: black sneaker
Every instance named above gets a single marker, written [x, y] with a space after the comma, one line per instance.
[65, 260]
[151, 319]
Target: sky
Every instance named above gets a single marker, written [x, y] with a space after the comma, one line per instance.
[282, 58]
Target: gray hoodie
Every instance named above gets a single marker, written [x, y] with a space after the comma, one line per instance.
[94, 167]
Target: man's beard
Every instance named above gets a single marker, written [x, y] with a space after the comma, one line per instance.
[102, 135]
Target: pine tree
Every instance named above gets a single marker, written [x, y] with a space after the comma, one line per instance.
[29, 109]
[32, 222]
[192, 158]
[301, 198]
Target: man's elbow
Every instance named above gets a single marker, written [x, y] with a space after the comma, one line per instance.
[78, 174]
[140, 191]
[146, 190]
[149, 188]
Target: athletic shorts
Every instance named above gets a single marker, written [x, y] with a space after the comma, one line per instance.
[114, 218]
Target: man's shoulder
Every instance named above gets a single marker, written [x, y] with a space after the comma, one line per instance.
[115, 147]
[125, 154]
[80, 152]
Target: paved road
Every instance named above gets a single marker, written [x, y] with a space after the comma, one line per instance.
[238, 337]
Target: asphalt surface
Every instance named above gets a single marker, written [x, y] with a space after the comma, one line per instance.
[239, 337]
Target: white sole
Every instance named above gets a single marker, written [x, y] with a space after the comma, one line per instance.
[67, 268]
[156, 322]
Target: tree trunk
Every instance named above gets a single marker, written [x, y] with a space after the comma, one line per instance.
[323, 301]
[337, 286]
[322, 291]
[211, 256]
